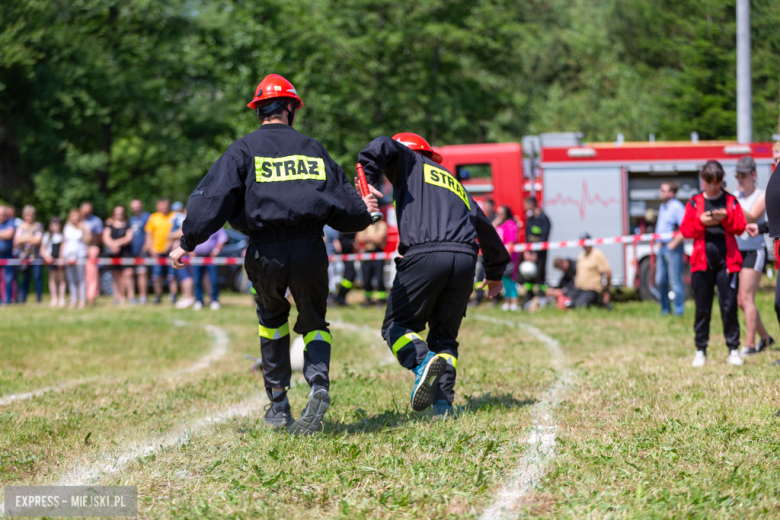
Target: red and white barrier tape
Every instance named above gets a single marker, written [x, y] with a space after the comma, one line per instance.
[230, 260]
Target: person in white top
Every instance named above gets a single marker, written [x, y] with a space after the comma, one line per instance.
[754, 255]
[76, 238]
[51, 244]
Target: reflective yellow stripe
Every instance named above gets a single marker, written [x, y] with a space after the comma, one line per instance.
[281, 332]
[444, 179]
[403, 341]
[477, 285]
[290, 168]
[452, 360]
[317, 335]
[381, 295]
[346, 284]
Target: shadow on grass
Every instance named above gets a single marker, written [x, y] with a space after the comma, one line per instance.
[390, 419]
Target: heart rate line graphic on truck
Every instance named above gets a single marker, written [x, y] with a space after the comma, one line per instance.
[584, 200]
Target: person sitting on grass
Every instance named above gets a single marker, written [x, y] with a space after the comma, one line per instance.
[593, 270]
[712, 219]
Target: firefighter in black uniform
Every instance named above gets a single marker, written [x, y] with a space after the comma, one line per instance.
[537, 229]
[438, 225]
[280, 188]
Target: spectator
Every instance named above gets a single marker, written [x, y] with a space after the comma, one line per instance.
[593, 270]
[27, 241]
[507, 230]
[331, 238]
[669, 260]
[712, 219]
[92, 270]
[489, 208]
[537, 229]
[773, 218]
[180, 275]
[50, 251]
[373, 240]
[346, 246]
[157, 229]
[117, 236]
[7, 231]
[177, 217]
[565, 285]
[138, 221]
[77, 236]
[754, 255]
[210, 248]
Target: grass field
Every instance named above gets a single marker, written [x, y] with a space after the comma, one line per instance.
[151, 397]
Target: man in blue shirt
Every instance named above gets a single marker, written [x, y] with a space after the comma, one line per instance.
[7, 231]
[137, 223]
[669, 260]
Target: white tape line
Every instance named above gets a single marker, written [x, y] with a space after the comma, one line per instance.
[541, 437]
[219, 338]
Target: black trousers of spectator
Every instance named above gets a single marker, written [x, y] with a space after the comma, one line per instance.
[479, 277]
[429, 289]
[348, 280]
[584, 298]
[301, 265]
[374, 279]
[703, 284]
[541, 268]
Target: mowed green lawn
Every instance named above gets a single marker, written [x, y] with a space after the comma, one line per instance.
[640, 433]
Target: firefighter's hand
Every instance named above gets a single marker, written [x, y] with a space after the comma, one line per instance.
[752, 229]
[372, 206]
[493, 287]
[176, 256]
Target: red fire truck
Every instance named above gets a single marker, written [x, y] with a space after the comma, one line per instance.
[605, 189]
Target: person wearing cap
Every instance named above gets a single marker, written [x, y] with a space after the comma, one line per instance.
[280, 188]
[593, 278]
[438, 225]
[670, 255]
[754, 255]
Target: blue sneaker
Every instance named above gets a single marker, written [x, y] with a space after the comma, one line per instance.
[442, 410]
[428, 374]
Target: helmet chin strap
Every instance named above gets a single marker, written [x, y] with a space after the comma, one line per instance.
[273, 106]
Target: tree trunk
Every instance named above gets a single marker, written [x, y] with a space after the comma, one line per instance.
[102, 175]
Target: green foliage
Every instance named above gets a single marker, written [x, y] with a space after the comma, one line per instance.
[107, 101]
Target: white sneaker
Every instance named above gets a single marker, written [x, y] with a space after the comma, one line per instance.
[513, 307]
[700, 359]
[215, 306]
[197, 306]
[185, 302]
[734, 358]
[505, 306]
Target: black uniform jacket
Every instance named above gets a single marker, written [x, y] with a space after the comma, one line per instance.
[274, 184]
[537, 229]
[773, 203]
[434, 212]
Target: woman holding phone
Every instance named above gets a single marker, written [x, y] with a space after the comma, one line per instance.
[712, 219]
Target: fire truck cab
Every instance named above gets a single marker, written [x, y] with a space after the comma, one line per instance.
[604, 189]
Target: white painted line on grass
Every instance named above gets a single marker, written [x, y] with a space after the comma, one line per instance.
[111, 463]
[343, 325]
[541, 438]
[220, 342]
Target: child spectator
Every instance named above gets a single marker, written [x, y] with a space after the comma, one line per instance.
[210, 248]
[91, 270]
[507, 229]
[77, 237]
[117, 236]
[51, 243]
[712, 219]
[27, 241]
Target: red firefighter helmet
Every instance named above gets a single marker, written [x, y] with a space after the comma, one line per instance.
[274, 86]
[418, 144]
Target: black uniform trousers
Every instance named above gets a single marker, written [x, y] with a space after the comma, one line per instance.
[703, 284]
[348, 279]
[374, 278]
[301, 265]
[433, 289]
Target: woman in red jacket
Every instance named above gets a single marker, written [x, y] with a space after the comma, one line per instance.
[712, 219]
